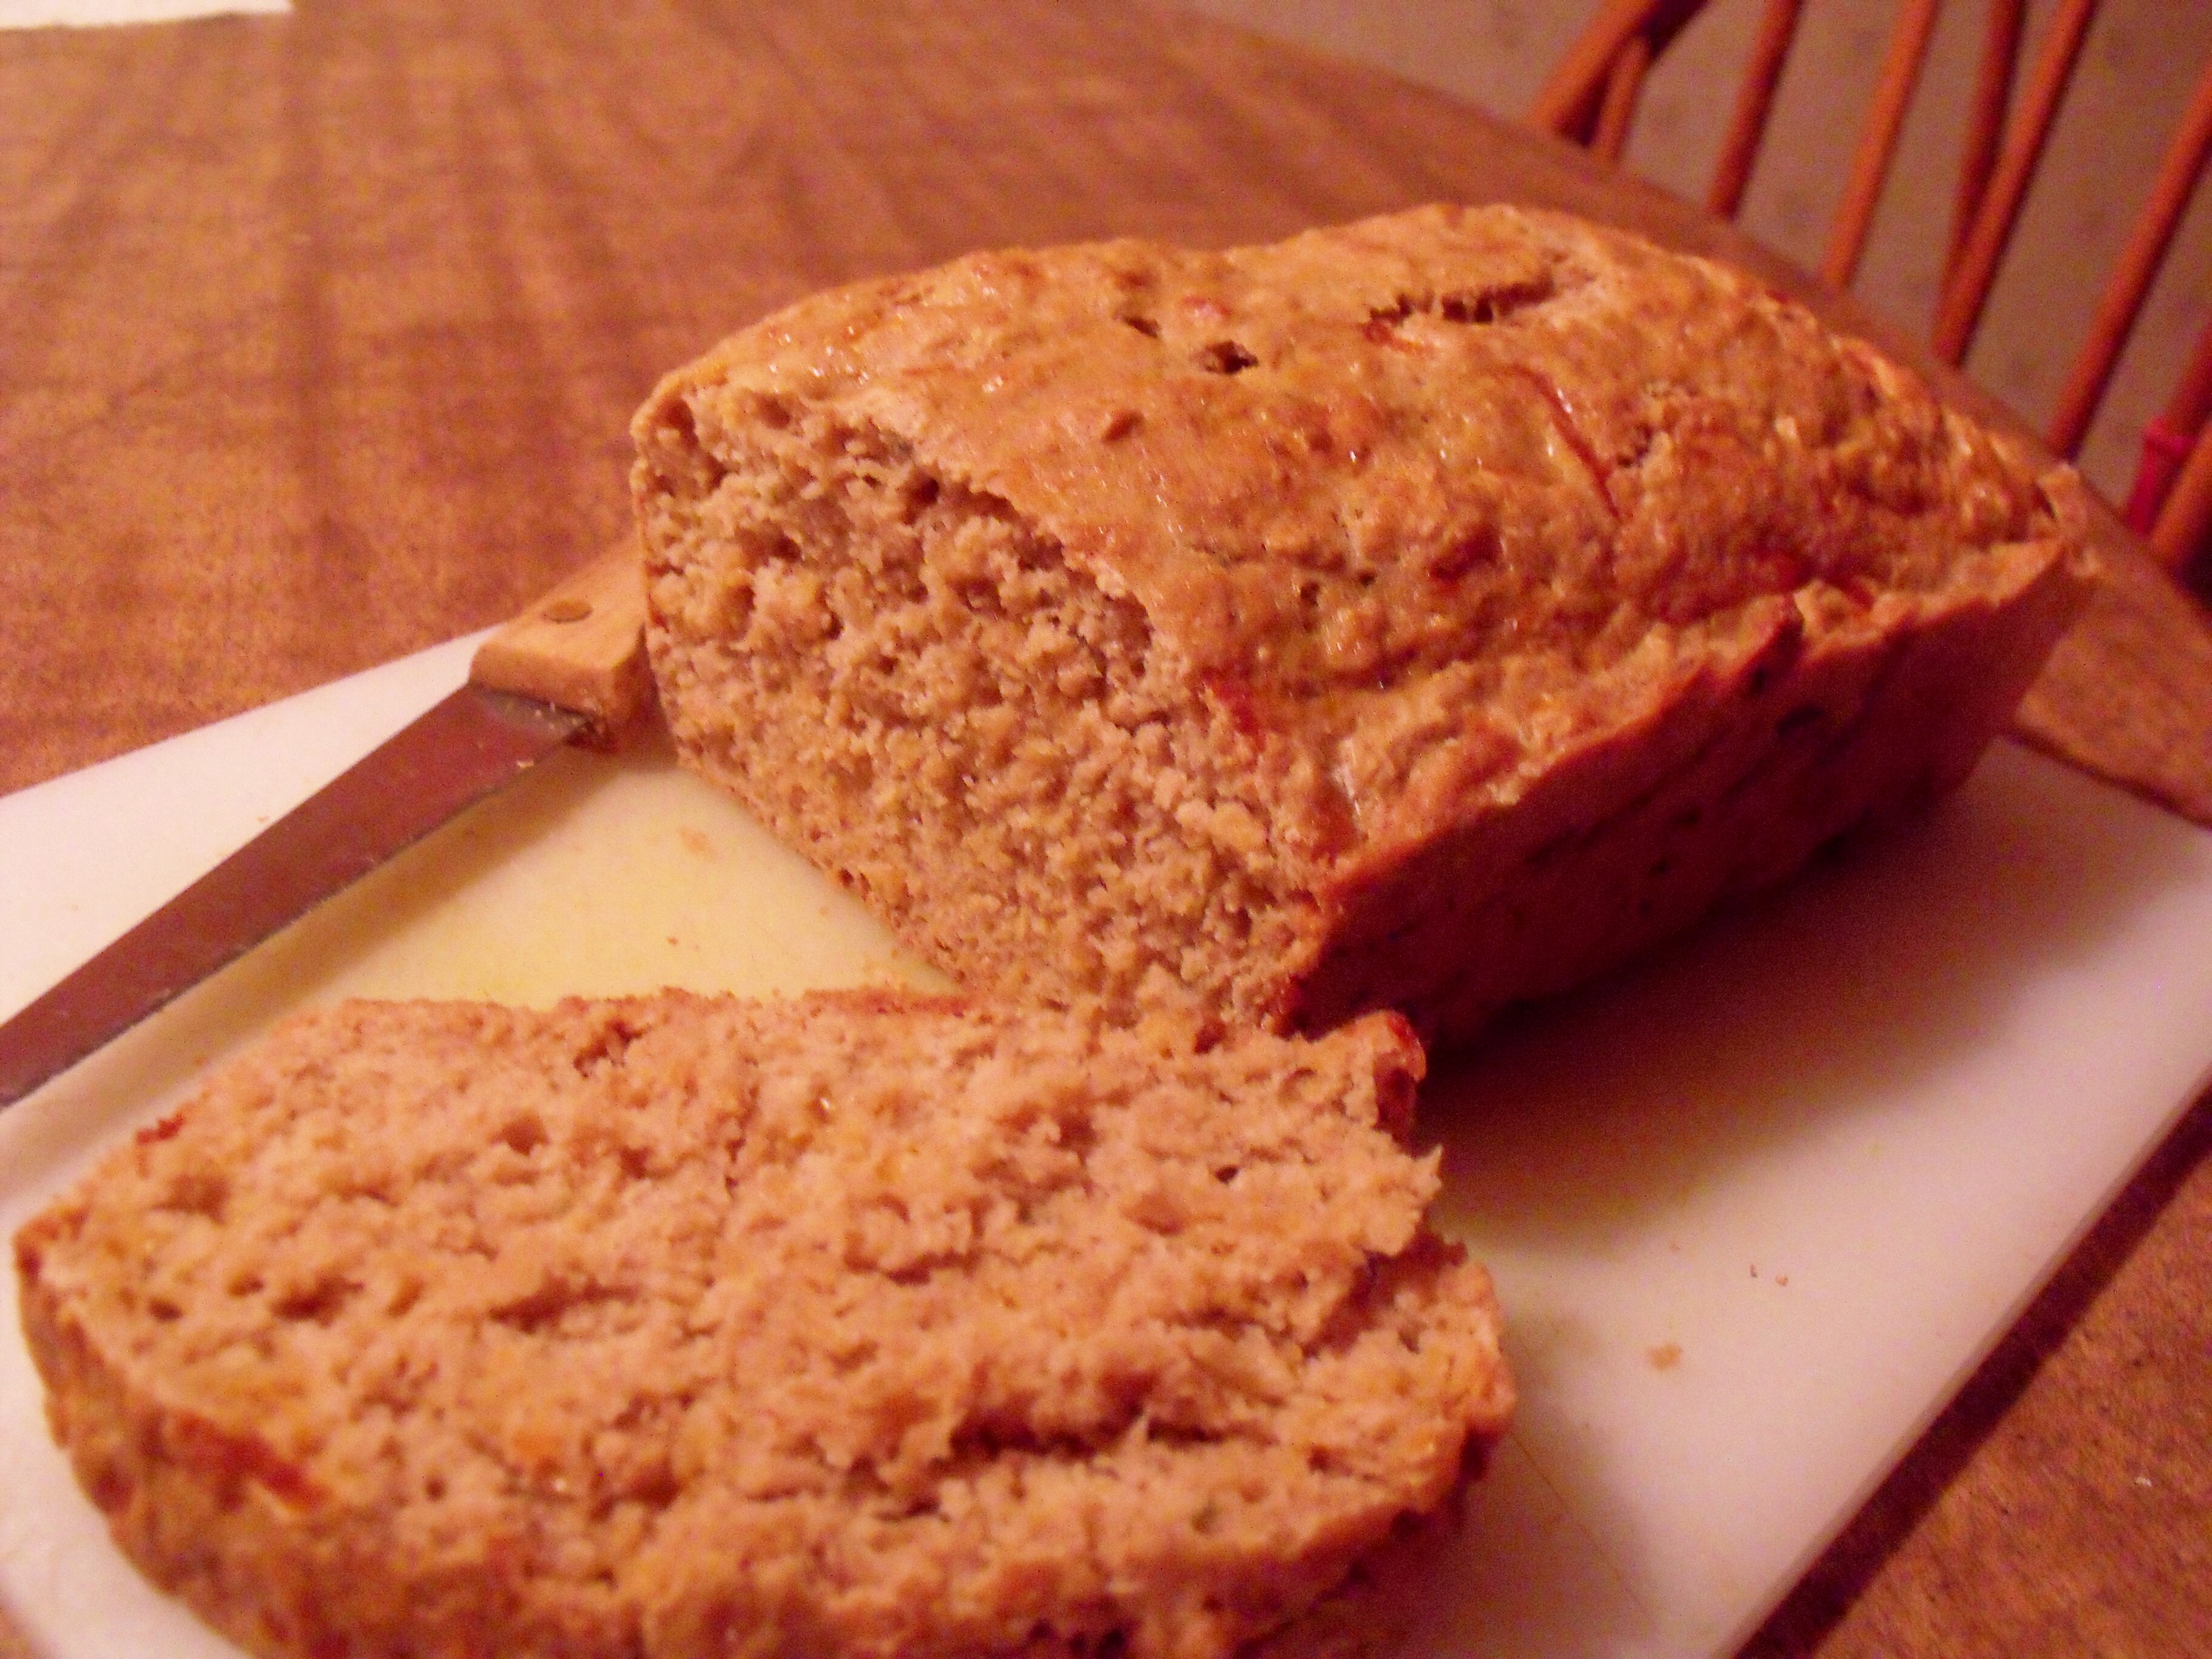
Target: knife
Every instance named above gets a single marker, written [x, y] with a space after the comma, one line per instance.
[571, 668]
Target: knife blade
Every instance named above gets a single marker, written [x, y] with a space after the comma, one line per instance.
[571, 668]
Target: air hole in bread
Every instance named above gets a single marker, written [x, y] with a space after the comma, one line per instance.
[523, 1134]
[551, 1303]
[919, 492]
[316, 1304]
[1495, 304]
[1477, 547]
[607, 1048]
[677, 458]
[1225, 357]
[197, 1192]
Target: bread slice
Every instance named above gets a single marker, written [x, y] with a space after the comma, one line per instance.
[1424, 613]
[859, 1324]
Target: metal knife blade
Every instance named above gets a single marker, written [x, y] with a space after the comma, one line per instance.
[571, 667]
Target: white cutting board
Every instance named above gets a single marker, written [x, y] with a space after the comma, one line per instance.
[1754, 1208]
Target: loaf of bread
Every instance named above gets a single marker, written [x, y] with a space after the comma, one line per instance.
[1420, 614]
[859, 1324]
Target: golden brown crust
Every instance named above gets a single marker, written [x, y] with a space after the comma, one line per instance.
[1415, 511]
[864, 1324]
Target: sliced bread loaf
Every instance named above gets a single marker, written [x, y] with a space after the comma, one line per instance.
[1424, 613]
[859, 1324]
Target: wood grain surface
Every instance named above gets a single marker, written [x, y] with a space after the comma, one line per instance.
[319, 339]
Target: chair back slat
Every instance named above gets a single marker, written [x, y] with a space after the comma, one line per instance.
[2178, 173]
[1591, 97]
[1624, 84]
[1893, 96]
[2167, 438]
[2183, 529]
[1985, 119]
[1770, 50]
[1569, 103]
[1959, 311]
[2191, 406]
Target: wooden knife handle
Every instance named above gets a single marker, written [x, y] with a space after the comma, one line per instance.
[581, 647]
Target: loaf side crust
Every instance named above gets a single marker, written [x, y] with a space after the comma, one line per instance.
[867, 1324]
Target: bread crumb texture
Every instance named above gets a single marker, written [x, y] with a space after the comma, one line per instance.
[862, 1324]
[1424, 613]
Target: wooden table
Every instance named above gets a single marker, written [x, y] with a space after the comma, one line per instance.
[318, 336]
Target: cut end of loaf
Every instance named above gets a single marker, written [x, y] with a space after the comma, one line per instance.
[910, 681]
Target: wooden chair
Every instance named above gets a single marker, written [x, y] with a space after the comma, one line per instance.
[1591, 96]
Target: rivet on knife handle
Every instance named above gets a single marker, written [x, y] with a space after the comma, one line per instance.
[580, 648]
